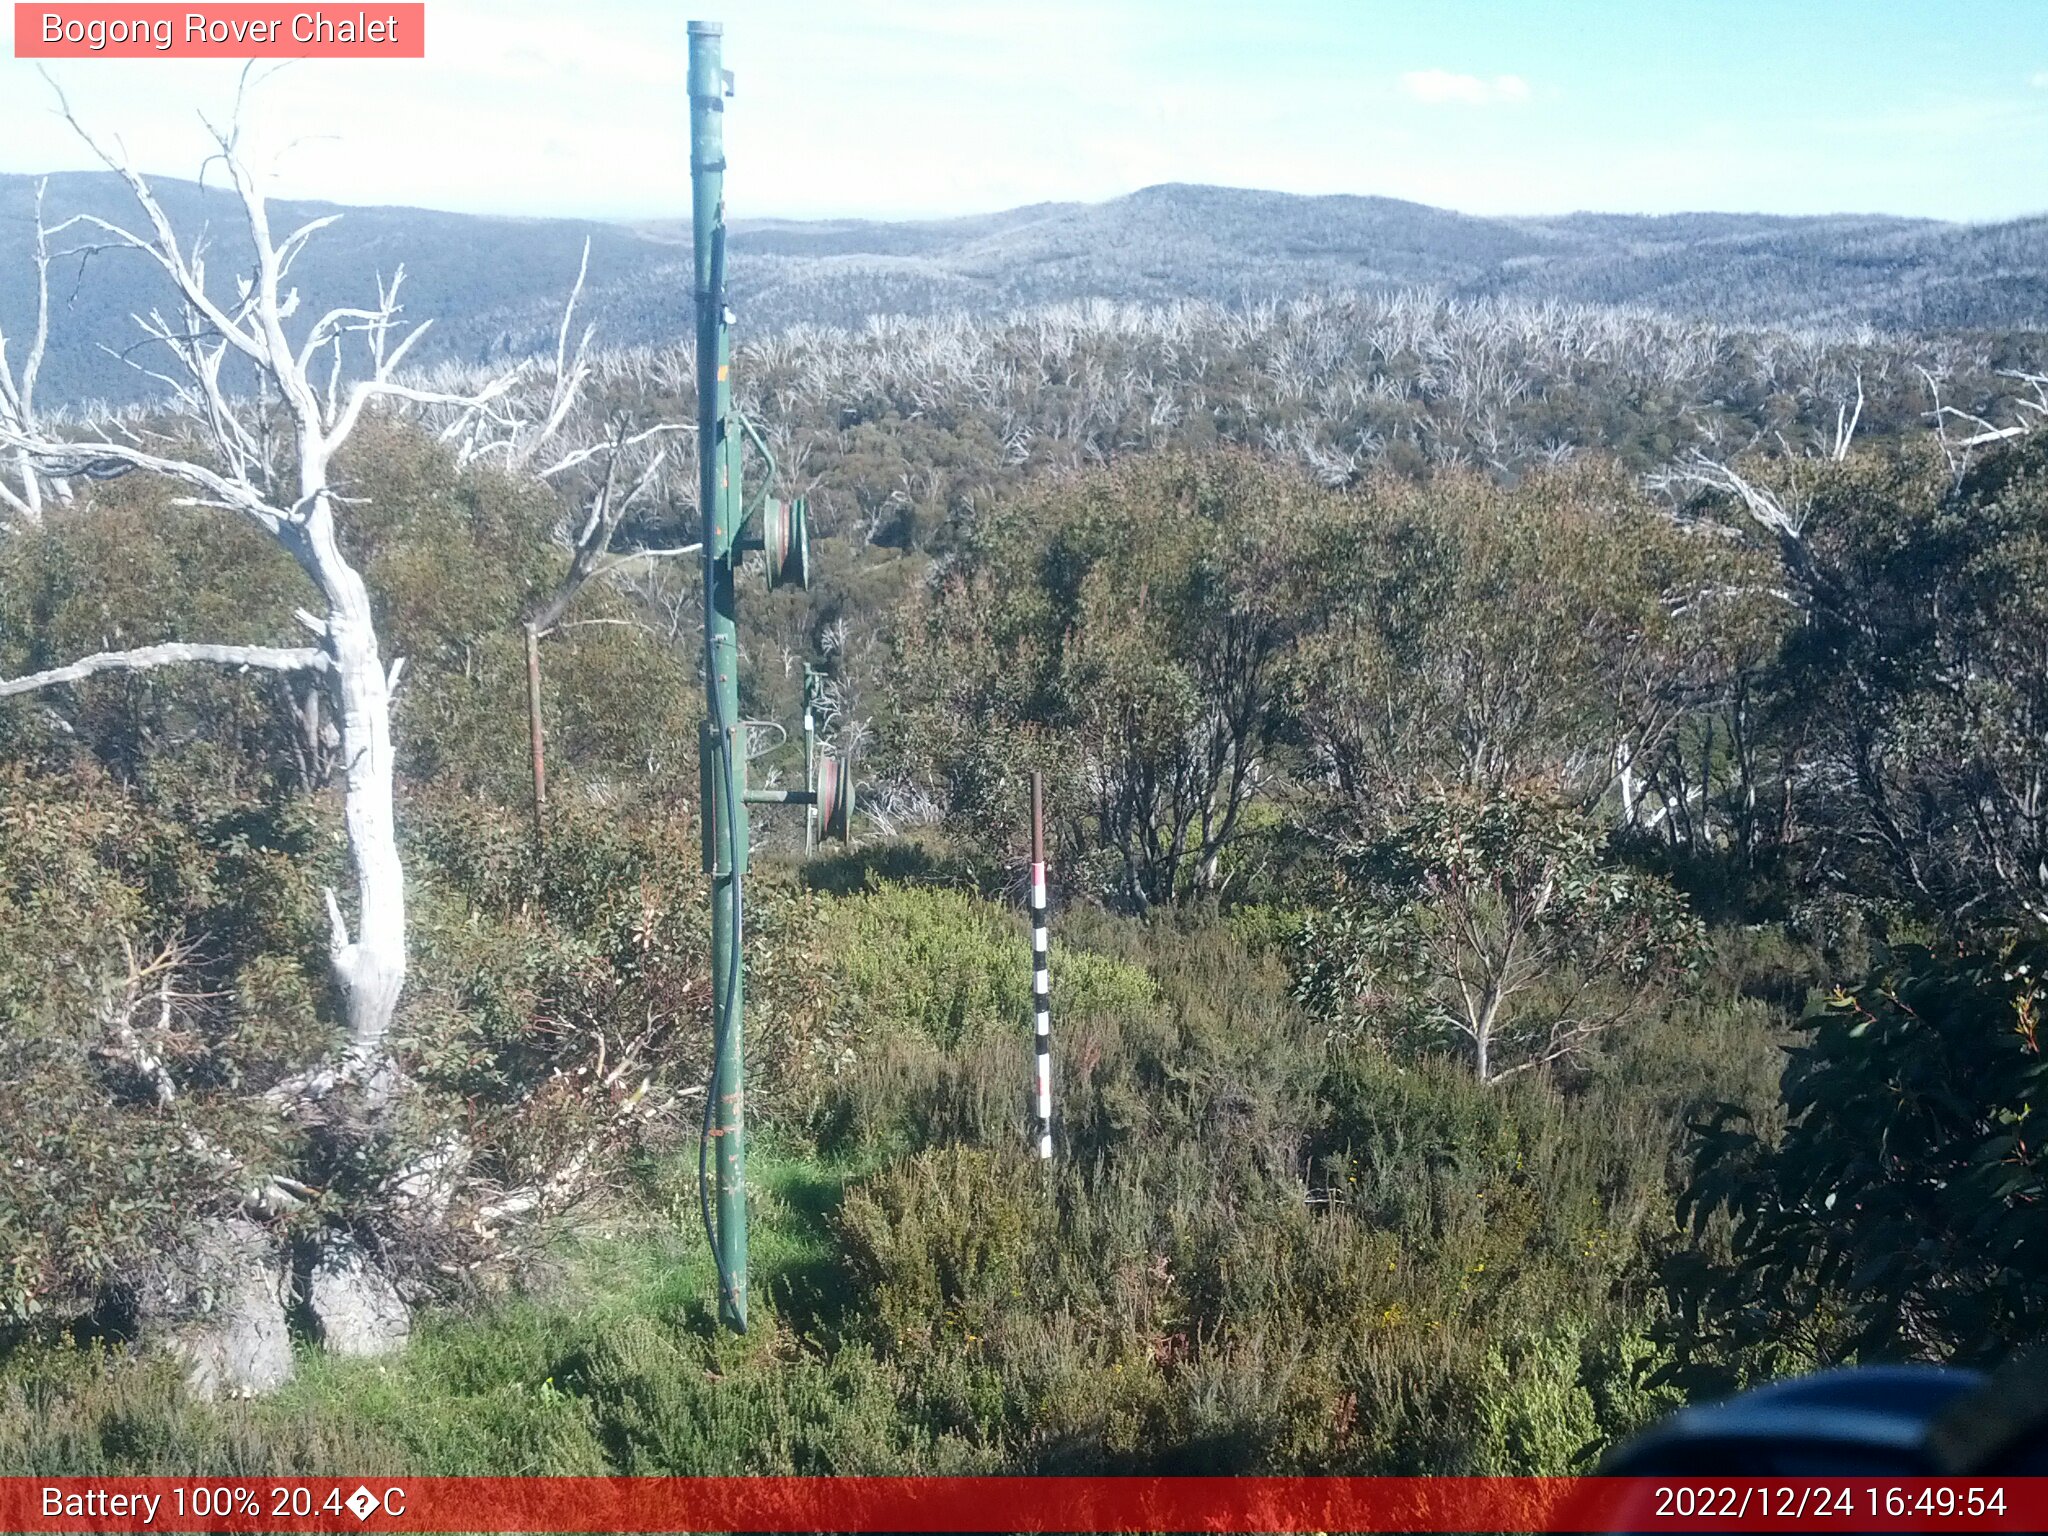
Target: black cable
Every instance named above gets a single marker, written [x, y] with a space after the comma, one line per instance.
[703, 1161]
[719, 1023]
[733, 850]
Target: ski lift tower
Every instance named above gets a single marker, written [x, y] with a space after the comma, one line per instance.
[780, 532]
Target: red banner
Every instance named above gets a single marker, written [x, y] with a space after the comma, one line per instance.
[240, 31]
[1022, 1504]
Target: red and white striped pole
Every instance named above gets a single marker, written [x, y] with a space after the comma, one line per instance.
[1041, 974]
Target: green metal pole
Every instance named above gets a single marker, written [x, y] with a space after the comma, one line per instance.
[724, 745]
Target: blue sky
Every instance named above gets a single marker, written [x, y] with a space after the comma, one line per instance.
[894, 108]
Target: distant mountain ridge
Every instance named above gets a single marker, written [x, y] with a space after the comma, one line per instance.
[494, 286]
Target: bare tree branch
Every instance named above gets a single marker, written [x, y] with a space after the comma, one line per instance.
[144, 658]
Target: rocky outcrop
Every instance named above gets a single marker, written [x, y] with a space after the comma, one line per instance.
[356, 1309]
[220, 1304]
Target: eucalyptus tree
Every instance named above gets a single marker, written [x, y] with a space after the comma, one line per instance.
[1126, 629]
[1468, 633]
[1912, 669]
[1495, 919]
[616, 467]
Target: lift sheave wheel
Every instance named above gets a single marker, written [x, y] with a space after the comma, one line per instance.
[786, 541]
[835, 798]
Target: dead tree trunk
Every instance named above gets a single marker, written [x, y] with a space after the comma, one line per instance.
[372, 967]
[24, 499]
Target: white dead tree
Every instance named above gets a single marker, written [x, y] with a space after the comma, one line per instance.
[269, 458]
[24, 497]
[2030, 414]
[1780, 515]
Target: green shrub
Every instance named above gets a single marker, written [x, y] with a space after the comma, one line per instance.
[941, 1244]
[947, 966]
[1901, 1211]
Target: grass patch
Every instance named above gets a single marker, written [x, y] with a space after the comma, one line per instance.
[528, 1384]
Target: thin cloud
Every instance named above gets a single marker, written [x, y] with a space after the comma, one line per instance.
[2039, 80]
[1443, 87]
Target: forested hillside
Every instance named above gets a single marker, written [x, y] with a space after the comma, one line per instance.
[1481, 736]
[1163, 244]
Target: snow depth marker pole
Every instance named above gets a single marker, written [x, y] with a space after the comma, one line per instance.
[1041, 973]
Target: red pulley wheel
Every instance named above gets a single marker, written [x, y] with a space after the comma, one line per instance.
[835, 799]
[786, 542]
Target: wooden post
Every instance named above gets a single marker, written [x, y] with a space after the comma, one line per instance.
[540, 760]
